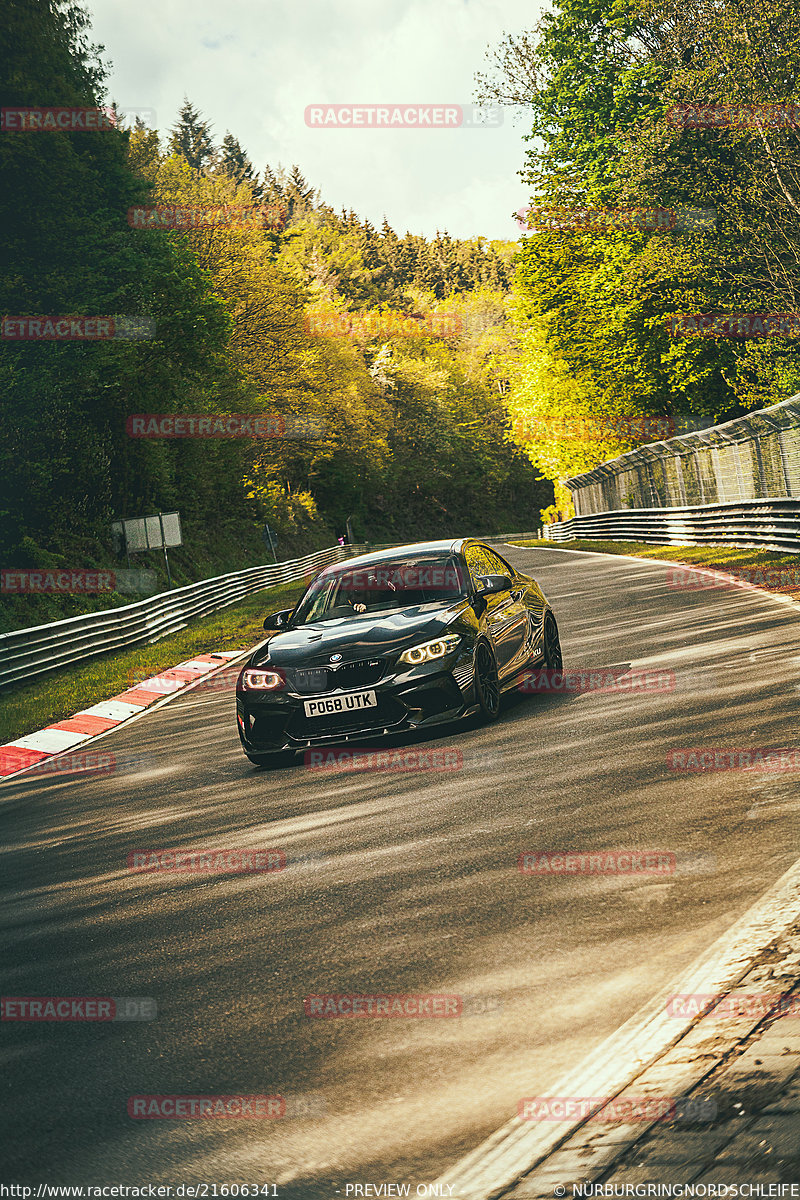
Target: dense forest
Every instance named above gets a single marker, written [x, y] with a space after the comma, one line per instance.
[683, 105]
[445, 377]
[396, 347]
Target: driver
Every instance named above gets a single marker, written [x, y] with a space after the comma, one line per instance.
[381, 594]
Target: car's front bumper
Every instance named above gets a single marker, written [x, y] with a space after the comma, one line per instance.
[273, 721]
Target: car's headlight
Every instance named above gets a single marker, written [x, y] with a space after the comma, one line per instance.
[262, 681]
[428, 651]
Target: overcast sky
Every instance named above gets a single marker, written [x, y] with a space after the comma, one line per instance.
[252, 67]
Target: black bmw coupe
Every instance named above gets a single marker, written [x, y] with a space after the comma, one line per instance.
[393, 641]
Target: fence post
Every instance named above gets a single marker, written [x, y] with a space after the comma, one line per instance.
[681, 484]
[721, 492]
[699, 474]
[762, 475]
[786, 476]
[652, 485]
[737, 462]
[641, 479]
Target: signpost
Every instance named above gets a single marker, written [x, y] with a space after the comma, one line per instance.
[270, 540]
[150, 533]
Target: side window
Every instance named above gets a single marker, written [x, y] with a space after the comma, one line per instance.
[477, 562]
[498, 565]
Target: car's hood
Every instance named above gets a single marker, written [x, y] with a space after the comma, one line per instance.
[359, 636]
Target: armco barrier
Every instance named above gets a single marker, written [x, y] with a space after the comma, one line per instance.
[503, 537]
[25, 653]
[768, 524]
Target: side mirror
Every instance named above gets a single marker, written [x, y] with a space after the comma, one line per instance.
[278, 620]
[490, 585]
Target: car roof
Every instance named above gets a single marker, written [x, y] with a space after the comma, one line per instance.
[412, 550]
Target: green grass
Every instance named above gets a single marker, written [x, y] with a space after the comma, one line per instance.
[721, 558]
[32, 705]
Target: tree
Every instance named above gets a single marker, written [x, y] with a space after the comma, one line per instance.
[298, 194]
[599, 79]
[144, 152]
[235, 163]
[66, 464]
[191, 137]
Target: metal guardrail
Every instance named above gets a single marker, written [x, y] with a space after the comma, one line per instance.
[503, 537]
[26, 653]
[766, 524]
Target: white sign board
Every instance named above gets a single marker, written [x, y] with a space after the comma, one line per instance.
[145, 533]
[172, 529]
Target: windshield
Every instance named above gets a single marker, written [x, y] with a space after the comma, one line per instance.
[357, 591]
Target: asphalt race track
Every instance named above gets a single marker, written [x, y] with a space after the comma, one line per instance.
[396, 882]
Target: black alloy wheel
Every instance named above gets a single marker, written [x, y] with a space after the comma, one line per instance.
[487, 682]
[552, 644]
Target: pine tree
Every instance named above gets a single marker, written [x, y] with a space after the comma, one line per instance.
[235, 162]
[191, 137]
[144, 154]
[271, 188]
[299, 195]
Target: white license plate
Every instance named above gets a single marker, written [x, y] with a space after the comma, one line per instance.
[340, 704]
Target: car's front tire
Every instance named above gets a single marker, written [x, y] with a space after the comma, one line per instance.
[487, 682]
[552, 644]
